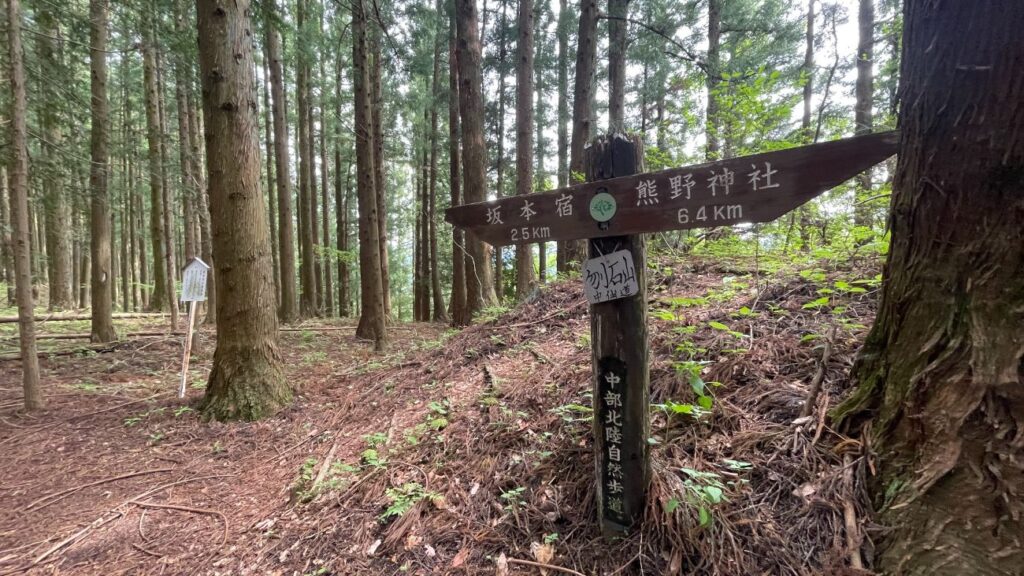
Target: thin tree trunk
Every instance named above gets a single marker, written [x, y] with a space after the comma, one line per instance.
[617, 28]
[479, 280]
[246, 381]
[713, 146]
[101, 225]
[526, 279]
[341, 198]
[271, 186]
[60, 262]
[458, 306]
[158, 297]
[439, 313]
[8, 225]
[327, 295]
[380, 188]
[499, 265]
[582, 110]
[19, 212]
[564, 25]
[203, 208]
[286, 231]
[168, 214]
[939, 379]
[372, 317]
[805, 124]
[541, 121]
[863, 110]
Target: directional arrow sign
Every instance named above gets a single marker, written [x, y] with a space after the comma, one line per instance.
[757, 188]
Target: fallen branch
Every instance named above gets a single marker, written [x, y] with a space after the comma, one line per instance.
[548, 566]
[58, 496]
[819, 376]
[78, 317]
[218, 513]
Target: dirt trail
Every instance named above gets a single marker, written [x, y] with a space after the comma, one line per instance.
[477, 440]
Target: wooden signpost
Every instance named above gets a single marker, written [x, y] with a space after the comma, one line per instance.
[193, 289]
[612, 209]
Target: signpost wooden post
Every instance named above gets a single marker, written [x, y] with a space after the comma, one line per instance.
[193, 289]
[611, 210]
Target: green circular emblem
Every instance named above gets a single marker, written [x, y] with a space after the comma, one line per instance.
[602, 207]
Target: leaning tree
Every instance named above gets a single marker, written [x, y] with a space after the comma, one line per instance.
[246, 381]
[940, 395]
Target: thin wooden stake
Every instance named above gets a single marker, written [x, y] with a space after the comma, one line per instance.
[188, 348]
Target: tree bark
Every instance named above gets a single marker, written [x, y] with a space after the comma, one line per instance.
[940, 375]
[586, 51]
[246, 381]
[564, 28]
[60, 262]
[341, 199]
[805, 125]
[439, 313]
[307, 270]
[479, 278]
[102, 281]
[325, 207]
[372, 317]
[158, 297]
[458, 306]
[380, 187]
[499, 265]
[268, 138]
[713, 146]
[203, 209]
[618, 10]
[286, 231]
[170, 263]
[863, 111]
[19, 212]
[526, 279]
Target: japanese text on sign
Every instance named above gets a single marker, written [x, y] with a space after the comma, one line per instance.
[610, 277]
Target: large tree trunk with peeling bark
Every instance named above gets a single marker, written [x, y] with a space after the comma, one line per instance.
[479, 277]
[246, 381]
[940, 394]
[102, 277]
[19, 212]
[372, 317]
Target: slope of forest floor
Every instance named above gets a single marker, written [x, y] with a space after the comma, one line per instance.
[462, 452]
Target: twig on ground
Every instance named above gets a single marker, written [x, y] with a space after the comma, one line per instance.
[218, 513]
[819, 376]
[548, 566]
[40, 503]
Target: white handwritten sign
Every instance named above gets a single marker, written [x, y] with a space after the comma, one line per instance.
[193, 283]
[610, 277]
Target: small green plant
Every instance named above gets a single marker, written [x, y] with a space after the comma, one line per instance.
[182, 410]
[551, 538]
[403, 498]
[574, 412]
[724, 328]
[514, 498]
[375, 439]
[156, 437]
[86, 386]
[490, 314]
[133, 420]
[312, 358]
[217, 447]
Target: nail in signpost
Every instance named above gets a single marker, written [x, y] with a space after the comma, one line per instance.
[193, 289]
[612, 210]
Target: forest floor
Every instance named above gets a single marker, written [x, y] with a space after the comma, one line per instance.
[457, 452]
